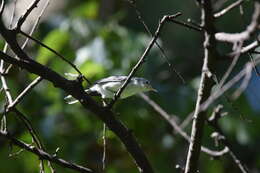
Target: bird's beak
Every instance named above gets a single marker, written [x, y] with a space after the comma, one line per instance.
[154, 90]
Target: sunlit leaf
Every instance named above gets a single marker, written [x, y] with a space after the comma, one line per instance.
[91, 69]
[57, 40]
[88, 9]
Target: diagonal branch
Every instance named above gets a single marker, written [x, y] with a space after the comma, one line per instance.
[178, 129]
[75, 89]
[245, 35]
[213, 122]
[24, 93]
[43, 155]
[163, 53]
[56, 53]
[142, 58]
[26, 14]
[2, 7]
[228, 8]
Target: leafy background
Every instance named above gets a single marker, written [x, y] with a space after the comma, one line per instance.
[105, 38]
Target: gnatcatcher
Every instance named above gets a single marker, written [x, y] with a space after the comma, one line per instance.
[107, 87]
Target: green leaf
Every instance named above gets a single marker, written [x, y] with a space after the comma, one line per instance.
[88, 9]
[57, 40]
[91, 69]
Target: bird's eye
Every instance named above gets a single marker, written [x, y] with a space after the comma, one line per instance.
[147, 82]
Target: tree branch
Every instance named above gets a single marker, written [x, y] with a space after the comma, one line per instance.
[75, 89]
[24, 93]
[213, 122]
[228, 8]
[245, 35]
[204, 89]
[56, 53]
[168, 118]
[142, 58]
[26, 14]
[43, 155]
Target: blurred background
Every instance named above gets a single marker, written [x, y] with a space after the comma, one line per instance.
[104, 38]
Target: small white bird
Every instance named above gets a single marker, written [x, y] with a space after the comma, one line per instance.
[107, 87]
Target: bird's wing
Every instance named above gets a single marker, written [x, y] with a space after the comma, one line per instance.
[112, 86]
[111, 79]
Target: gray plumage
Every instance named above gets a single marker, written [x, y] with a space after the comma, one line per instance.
[107, 87]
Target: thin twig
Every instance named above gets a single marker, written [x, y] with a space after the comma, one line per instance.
[187, 120]
[163, 54]
[104, 147]
[228, 8]
[142, 58]
[244, 84]
[29, 87]
[255, 52]
[26, 14]
[213, 122]
[245, 35]
[4, 84]
[31, 32]
[2, 70]
[254, 64]
[248, 48]
[56, 53]
[171, 120]
[186, 25]
[44, 155]
[75, 89]
[104, 143]
[227, 86]
[36, 23]
[2, 7]
[29, 127]
[24, 93]
[232, 65]
[204, 87]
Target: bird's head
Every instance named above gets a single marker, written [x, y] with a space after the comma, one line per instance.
[145, 84]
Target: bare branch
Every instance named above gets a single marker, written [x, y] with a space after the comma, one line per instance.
[142, 58]
[4, 84]
[213, 122]
[139, 16]
[75, 89]
[31, 32]
[29, 127]
[195, 28]
[36, 23]
[56, 53]
[228, 8]
[204, 88]
[2, 7]
[170, 119]
[248, 48]
[24, 93]
[2, 70]
[26, 14]
[254, 64]
[248, 67]
[244, 84]
[232, 65]
[43, 155]
[227, 86]
[245, 35]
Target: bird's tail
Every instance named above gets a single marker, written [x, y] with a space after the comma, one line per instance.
[71, 100]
